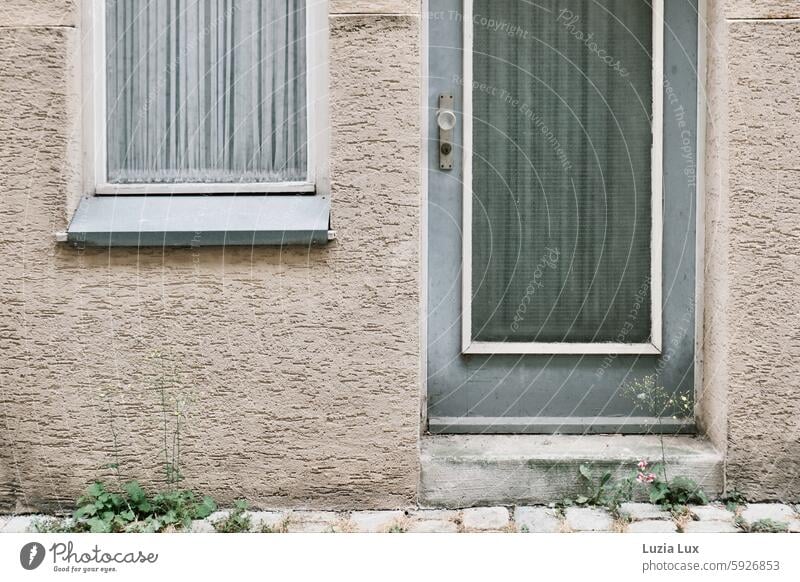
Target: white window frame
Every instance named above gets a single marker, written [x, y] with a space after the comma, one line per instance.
[94, 115]
[653, 347]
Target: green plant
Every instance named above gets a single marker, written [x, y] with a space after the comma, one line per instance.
[127, 507]
[54, 525]
[102, 512]
[654, 400]
[762, 526]
[602, 490]
[733, 499]
[178, 509]
[281, 527]
[132, 510]
[173, 411]
[678, 492]
[397, 528]
[237, 521]
[680, 512]
[596, 490]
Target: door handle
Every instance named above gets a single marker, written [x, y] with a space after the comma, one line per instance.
[446, 120]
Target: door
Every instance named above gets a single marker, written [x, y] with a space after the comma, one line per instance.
[562, 215]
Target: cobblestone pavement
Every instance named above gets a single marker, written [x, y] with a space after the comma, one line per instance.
[631, 517]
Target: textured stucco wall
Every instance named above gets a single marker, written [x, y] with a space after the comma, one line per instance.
[299, 368]
[753, 241]
[295, 394]
[39, 13]
[713, 397]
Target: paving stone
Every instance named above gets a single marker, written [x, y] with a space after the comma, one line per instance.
[374, 521]
[652, 526]
[272, 520]
[711, 513]
[202, 526]
[588, 519]
[485, 518]
[311, 527]
[537, 520]
[433, 526]
[326, 516]
[217, 516]
[313, 522]
[774, 511]
[22, 523]
[646, 518]
[710, 527]
[643, 511]
[439, 514]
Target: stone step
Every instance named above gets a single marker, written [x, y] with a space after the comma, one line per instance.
[472, 470]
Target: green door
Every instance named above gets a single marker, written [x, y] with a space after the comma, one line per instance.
[561, 215]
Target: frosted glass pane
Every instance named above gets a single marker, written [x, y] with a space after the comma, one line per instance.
[562, 160]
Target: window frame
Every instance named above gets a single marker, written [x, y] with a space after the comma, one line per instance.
[94, 114]
[655, 345]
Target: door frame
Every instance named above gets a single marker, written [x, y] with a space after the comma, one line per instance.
[700, 228]
[654, 346]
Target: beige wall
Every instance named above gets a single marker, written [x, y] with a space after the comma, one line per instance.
[752, 374]
[300, 367]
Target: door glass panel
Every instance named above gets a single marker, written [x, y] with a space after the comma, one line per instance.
[562, 138]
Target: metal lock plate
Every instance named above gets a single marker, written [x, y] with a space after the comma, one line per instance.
[446, 121]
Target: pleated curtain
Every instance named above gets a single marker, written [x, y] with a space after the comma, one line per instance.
[205, 91]
[562, 171]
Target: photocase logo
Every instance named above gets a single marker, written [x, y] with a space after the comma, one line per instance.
[31, 555]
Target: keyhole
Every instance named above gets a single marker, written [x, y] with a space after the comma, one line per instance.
[446, 149]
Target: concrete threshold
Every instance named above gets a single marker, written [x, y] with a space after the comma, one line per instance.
[471, 470]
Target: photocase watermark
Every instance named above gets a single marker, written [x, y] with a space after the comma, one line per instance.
[527, 112]
[639, 302]
[687, 145]
[31, 555]
[67, 560]
[568, 20]
[495, 25]
[548, 260]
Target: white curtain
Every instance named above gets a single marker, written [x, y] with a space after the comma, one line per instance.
[206, 91]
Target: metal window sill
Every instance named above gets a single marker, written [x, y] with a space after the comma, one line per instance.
[196, 221]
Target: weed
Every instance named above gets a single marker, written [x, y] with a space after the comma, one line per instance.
[281, 527]
[173, 411]
[54, 525]
[733, 499]
[602, 491]
[762, 526]
[237, 521]
[397, 527]
[676, 493]
[133, 510]
[654, 400]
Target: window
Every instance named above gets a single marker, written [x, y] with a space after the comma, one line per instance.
[188, 104]
[206, 96]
